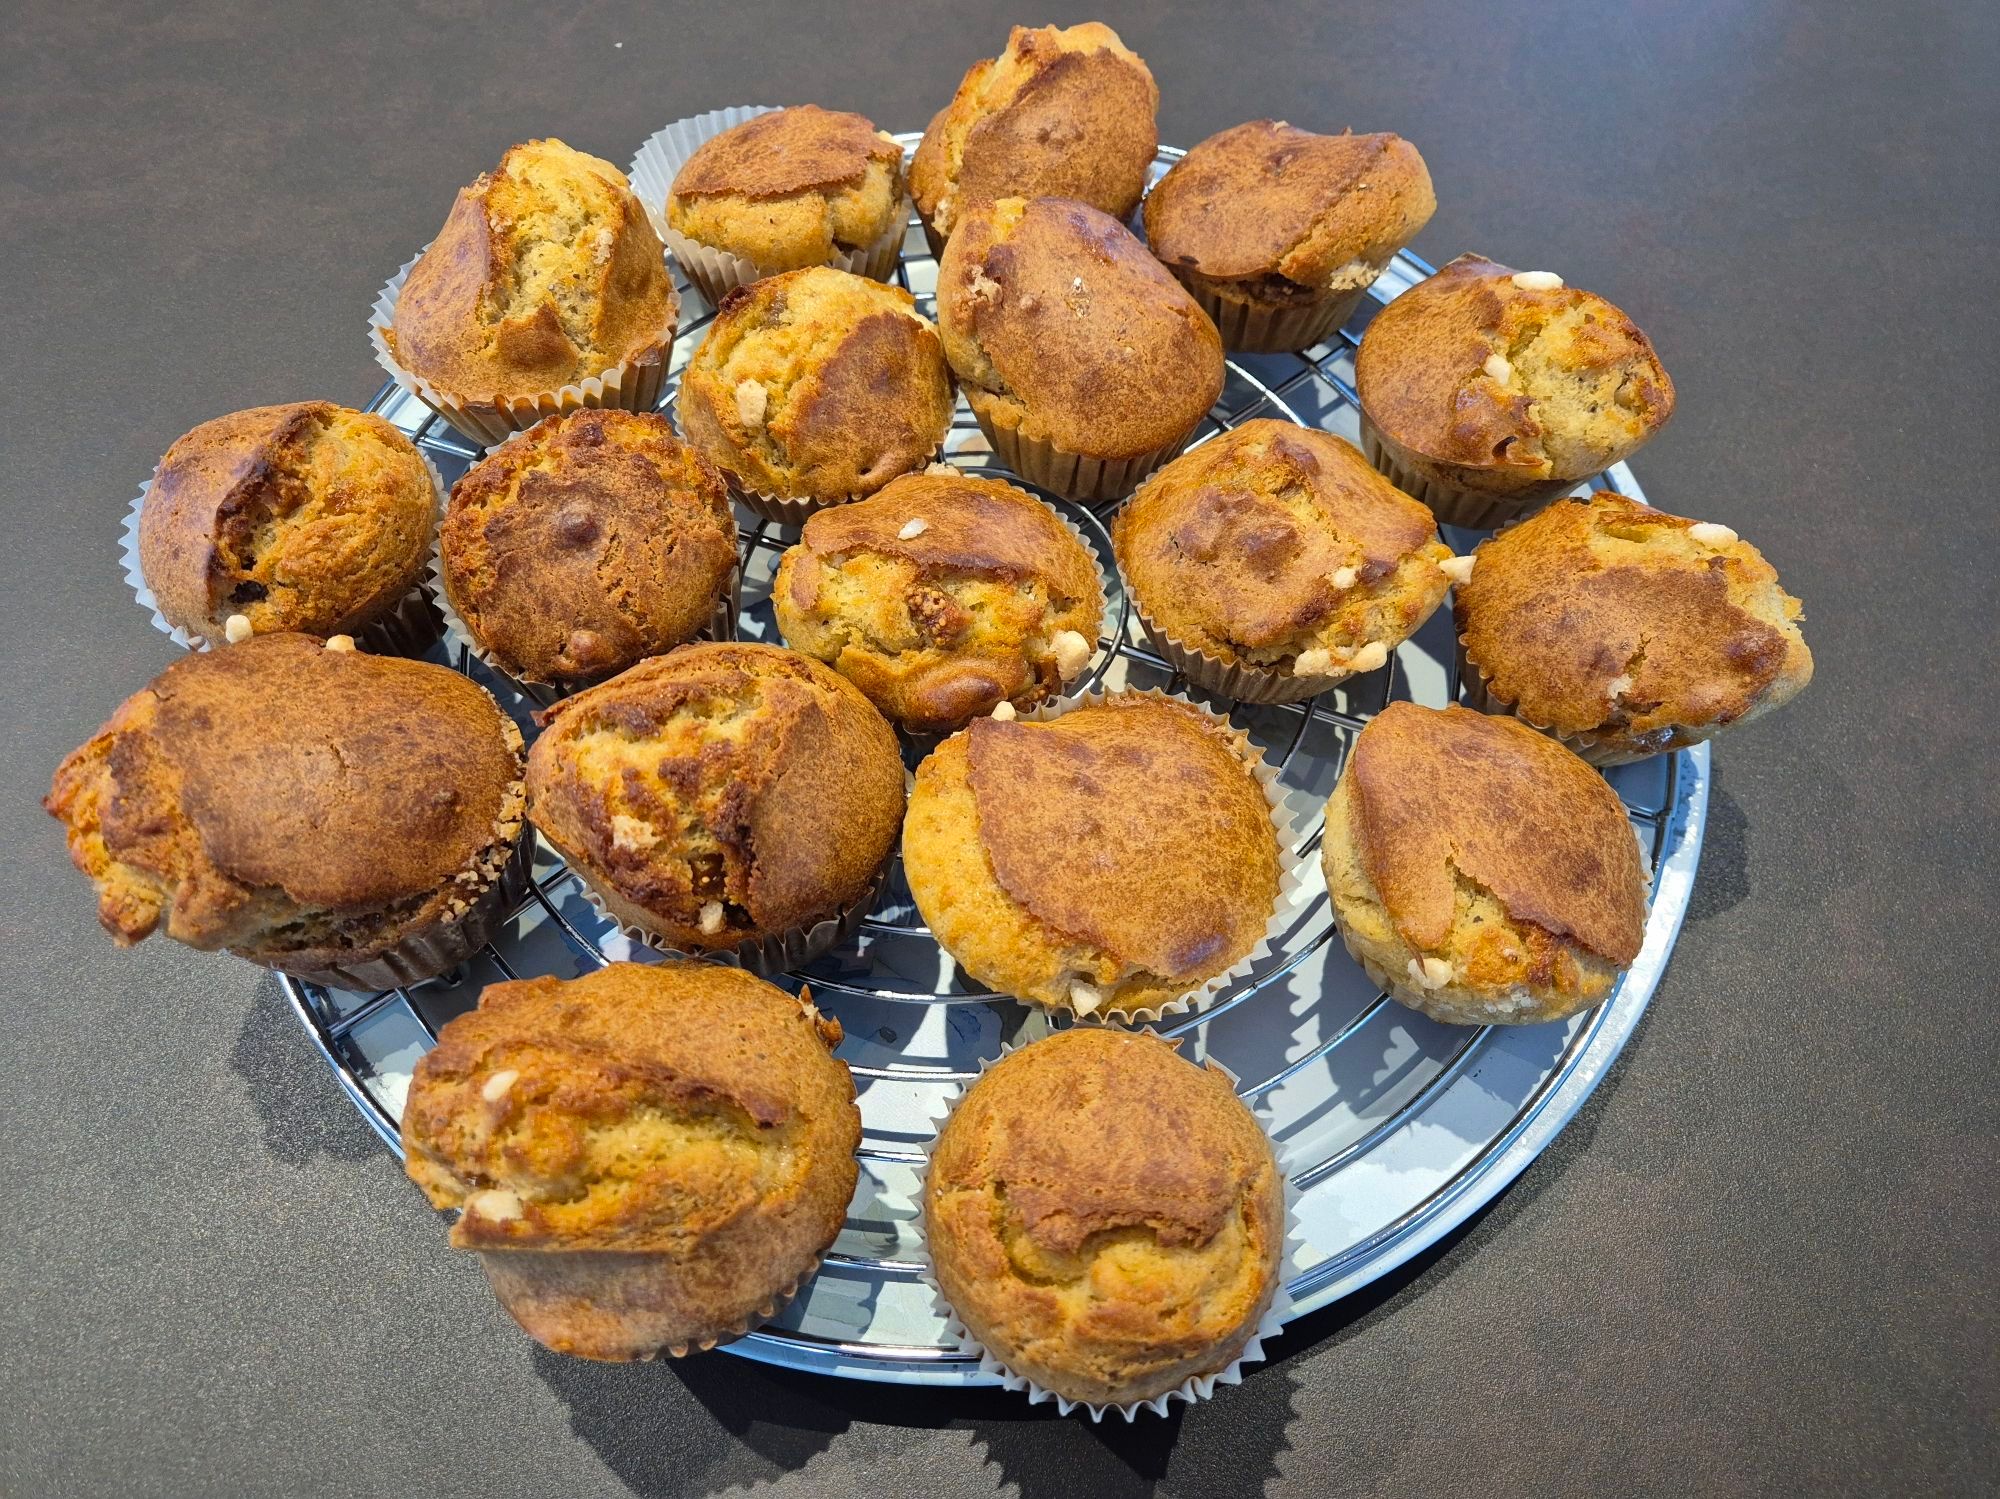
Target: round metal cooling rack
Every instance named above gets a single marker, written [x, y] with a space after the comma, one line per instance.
[1394, 1128]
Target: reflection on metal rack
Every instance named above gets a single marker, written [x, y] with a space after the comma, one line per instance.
[1395, 1128]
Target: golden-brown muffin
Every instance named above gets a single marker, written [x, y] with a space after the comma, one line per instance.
[1479, 871]
[1278, 232]
[547, 272]
[1085, 362]
[789, 189]
[1627, 632]
[1486, 392]
[1064, 112]
[816, 386]
[307, 517]
[594, 539]
[649, 1158]
[720, 795]
[1111, 860]
[313, 809]
[943, 596]
[1278, 561]
[1105, 1217]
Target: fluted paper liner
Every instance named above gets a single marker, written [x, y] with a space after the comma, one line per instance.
[1090, 481]
[633, 384]
[1239, 679]
[721, 624]
[1451, 506]
[1251, 328]
[1477, 689]
[1197, 1387]
[717, 272]
[408, 628]
[1291, 864]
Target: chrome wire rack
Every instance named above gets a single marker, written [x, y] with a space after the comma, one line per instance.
[1394, 1128]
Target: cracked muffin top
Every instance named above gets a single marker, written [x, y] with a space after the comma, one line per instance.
[647, 1156]
[1609, 619]
[817, 384]
[1510, 376]
[286, 799]
[547, 272]
[1486, 872]
[1272, 542]
[594, 539]
[1272, 212]
[1059, 324]
[309, 516]
[791, 188]
[1063, 112]
[720, 793]
[943, 596]
[1105, 1216]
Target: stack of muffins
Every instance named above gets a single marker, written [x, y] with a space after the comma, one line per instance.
[653, 1158]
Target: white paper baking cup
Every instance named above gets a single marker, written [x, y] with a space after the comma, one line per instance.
[407, 629]
[721, 624]
[1197, 1387]
[631, 385]
[715, 272]
[1291, 866]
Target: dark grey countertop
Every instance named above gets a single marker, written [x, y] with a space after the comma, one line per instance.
[1763, 1259]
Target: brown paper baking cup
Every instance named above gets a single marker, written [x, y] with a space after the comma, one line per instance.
[1240, 680]
[1452, 506]
[715, 272]
[1253, 328]
[409, 627]
[721, 624]
[1476, 690]
[1291, 866]
[425, 956]
[631, 385]
[764, 956]
[1090, 481]
[1277, 1311]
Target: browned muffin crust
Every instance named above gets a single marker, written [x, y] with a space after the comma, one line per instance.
[1061, 113]
[298, 805]
[940, 626]
[1449, 795]
[786, 151]
[594, 539]
[1272, 539]
[817, 384]
[1106, 1217]
[648, 1156]
[1133, 825]
[547, 272]
[308, 516]
[1272, 213]
[1582, 389]
[1058, 323]
[745, 781]
[1638, 629]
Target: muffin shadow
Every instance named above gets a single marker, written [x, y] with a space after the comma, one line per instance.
[1724, 880]
[298, 1102]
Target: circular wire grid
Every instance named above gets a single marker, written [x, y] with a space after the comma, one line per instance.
[1394, 1128]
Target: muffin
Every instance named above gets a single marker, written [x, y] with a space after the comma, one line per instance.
[1111, 861]
[1272, 562]
[816, 387]
[1106, 1218]
[1479, 871]
[723, 799]
[1064, 112]
[1626, 632]
[309, 516]
[784, 190]
[344, 818]
[546, 289]
[1487, 392]
[593, 540]
[943, 597]
[649, 1158]
[1278, 232]
[1087, 365]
